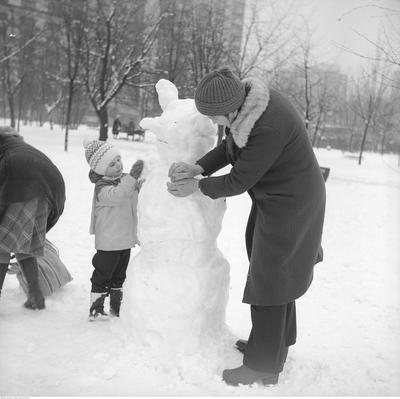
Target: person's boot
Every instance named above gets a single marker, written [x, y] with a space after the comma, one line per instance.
[115, 301]
[3, 271]
[240, 345]
[30, 269]
[96, 311]
[245, 376]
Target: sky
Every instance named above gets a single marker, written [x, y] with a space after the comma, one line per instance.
[338, 28]
[341, 23]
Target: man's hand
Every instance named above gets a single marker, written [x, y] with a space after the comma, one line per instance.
[183, 188]
[182, 170]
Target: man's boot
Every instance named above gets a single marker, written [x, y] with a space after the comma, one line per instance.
[115, 301]
[245, 376]
[3, 271]
[96, 311]
[30, 269]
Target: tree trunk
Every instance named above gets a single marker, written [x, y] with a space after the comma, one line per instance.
[363, 142]
[68, 113]
[314, 139]
[41, 117]
[103, 118]
[318, 141]
[350, 148]
[383, 143]
[4, 107]
[12, 111]
[21, 88]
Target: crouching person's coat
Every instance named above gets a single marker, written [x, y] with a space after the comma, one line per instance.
[274, 162]
[25, 174]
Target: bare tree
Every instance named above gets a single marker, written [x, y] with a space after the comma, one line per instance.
[300, 82]
[305, 67]
[386, 121]
[370, 89]
[17, 50]
[173, 41]
[267, 38]
[208, 41]
[115, 51]
[11, 77]
[350, 122]
[316, 89]
[320, 112]
[387, 48]
[50, 108]
[74, 19]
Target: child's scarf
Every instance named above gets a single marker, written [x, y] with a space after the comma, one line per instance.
[101, 181]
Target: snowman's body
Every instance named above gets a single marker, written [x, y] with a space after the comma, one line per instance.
[177, 287]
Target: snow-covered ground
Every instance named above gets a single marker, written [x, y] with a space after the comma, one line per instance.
[348, 322]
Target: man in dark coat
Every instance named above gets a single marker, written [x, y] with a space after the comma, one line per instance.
[267, 144]
[32, 196]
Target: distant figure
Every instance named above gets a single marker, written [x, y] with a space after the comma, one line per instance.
[131, 129]
[113, 222]
[32, 196]
[116, 127]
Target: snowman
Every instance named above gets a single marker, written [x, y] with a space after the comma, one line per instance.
[177, 286]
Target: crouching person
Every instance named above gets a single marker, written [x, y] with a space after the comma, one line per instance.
[113, 222]
[32, 196]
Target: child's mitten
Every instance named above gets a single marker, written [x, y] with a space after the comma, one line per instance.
[137, 169]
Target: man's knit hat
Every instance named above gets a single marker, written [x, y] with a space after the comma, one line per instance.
[99, 154]
[219, 93]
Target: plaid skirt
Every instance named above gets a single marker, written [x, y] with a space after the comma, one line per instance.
[23, 227]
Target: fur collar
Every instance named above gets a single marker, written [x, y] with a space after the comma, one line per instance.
[255, 103]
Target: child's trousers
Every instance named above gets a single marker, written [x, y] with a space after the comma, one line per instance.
[109, 269]
[273, 331]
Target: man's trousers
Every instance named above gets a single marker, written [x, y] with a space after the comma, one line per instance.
[273, 331]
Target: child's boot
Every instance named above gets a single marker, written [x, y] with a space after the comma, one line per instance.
[115, 301]
[96, 311]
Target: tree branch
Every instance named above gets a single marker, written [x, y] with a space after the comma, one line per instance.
[26, 44]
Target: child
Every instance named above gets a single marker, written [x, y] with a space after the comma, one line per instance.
[113, 222]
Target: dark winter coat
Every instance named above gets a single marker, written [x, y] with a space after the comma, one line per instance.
[27, 173]
[273, 161]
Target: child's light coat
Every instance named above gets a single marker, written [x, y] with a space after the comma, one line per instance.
[114, 216]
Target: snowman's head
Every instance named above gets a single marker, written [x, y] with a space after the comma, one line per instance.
[183, 133]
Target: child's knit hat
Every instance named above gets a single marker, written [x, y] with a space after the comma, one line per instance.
[99, 154]
[219, 93]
